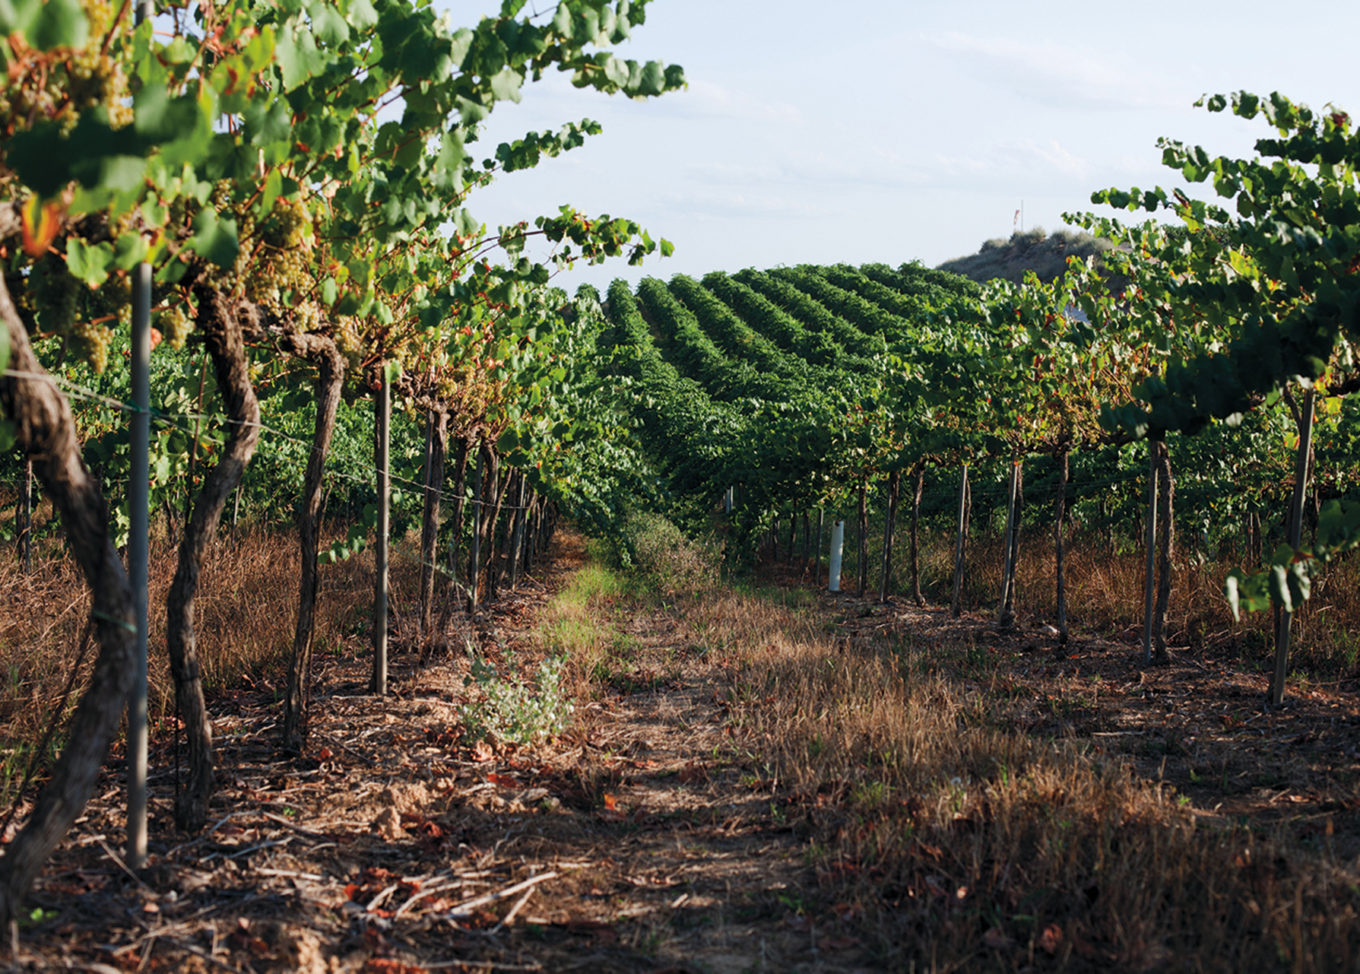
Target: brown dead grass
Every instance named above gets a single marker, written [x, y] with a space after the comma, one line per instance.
[244, 619]
[1105, 591]
[954, 840]
[887, 787]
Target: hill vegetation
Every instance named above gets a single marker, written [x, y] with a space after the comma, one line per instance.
[1030, 250]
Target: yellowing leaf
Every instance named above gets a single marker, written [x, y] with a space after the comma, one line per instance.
[41, 221]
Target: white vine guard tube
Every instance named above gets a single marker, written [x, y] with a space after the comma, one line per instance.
[833, 582]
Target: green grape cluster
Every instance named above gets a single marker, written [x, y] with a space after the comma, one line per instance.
[352, 341]
[90, 342]
[61, 305]
[288, 225]
[53, 295]
[175, 324]
[116, 290]
[278, 269]
[84, 78]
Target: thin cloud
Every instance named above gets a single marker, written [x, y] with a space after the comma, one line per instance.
[705, 99]
[1051, 156]
[707, 204]
[1064, 77]
[833, 175]
[1025, 164]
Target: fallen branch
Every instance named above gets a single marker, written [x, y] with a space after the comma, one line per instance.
[514, 910]
[465, 908]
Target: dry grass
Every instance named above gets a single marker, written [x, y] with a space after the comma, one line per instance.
[949, 840]
[940, 832]
[1105, 591]
[244, 620]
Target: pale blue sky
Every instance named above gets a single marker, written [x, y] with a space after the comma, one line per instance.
[877, 131]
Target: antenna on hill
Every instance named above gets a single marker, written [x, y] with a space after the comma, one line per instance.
[1018, 223]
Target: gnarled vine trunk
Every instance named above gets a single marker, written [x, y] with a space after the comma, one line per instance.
[221, 330]
[46, 432]
[329, 380]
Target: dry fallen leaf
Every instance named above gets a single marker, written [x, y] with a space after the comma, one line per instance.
[1050, 939]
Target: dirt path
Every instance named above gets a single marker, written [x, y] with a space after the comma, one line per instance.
[650, 837]
[643, 842]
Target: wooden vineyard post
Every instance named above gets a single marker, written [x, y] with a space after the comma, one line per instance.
[23, 528]
[956, 601]
[1005, 615]
[1166, 489]
[495, 493]
[452, 572]
[478, 515]
[1059, 513]
[890, 522]
[531, 549]
[465, 449]
[817, 553]
[138, 551]
[807, 539]
[1294, 533]
[917, 491]
[527, 539]
[1150, 561]
[517, 535]
[436, 442]
[193, 444]
[383, 416]
[862, 561]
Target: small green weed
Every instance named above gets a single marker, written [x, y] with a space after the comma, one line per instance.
[513, 711]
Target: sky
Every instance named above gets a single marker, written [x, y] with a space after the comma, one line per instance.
[911, 130]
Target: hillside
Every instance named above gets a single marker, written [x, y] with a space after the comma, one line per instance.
[1032, 250]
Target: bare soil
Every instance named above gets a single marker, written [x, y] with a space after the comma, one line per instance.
[650, 839]
[395, 844]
